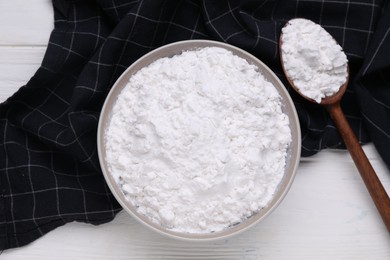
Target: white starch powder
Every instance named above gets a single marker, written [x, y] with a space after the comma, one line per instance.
[198, 142]
[312, 59]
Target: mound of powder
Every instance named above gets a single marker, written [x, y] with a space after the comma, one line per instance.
[312, 59]
[198, 142]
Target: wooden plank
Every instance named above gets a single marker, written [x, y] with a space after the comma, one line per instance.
[17, 66]
[326, 215]
[26, 23]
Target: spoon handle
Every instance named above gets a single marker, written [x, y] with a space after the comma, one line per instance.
[371, 180]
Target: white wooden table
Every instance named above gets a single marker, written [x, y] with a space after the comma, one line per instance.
[328, 213]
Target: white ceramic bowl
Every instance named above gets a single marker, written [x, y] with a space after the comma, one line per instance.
[287, 106]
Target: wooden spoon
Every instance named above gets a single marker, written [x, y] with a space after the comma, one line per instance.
[370, 178]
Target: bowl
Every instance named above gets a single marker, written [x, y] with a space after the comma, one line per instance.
[293, 153]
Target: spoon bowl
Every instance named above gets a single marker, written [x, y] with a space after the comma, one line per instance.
[328, 100]
[367, 172]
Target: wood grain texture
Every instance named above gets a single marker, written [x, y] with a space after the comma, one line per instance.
[25, 23]
[327, 214]
[367, 172]
[17, 66]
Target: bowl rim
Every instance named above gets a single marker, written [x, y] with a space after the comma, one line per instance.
[288, 107]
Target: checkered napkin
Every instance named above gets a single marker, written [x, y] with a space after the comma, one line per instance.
[49, 169]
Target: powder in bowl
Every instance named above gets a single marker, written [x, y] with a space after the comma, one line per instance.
[198, 142]
[312, 59]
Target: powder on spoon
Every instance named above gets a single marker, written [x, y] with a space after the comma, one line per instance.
[198, 142]
[312, 59]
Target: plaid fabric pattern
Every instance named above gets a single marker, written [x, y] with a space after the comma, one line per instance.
[49, 169]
